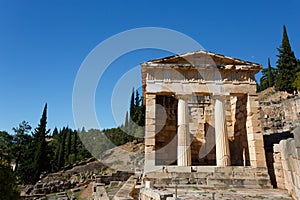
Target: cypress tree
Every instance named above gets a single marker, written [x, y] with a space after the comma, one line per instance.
[137, 99]
[69, 144]
[126, 120]
[56, 139]
[75, 151]
[61, 158]
[286, 66]
[270, 74]
[132, 105]
[41, 160]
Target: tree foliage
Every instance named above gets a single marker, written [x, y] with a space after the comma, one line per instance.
[268, 77]
[286, 66]
[8, 186]
[134, 126]
[41, 158]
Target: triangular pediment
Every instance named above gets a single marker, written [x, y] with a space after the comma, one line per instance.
[203, 58]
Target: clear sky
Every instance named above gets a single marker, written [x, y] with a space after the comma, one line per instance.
[44, 42]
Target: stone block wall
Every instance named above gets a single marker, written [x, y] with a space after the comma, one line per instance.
[166, 130]
[237, 133]
[287, 164]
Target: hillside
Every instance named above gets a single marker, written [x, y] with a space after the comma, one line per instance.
[279, 111]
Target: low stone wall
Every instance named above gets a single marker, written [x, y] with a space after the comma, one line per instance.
[127, 190]
[117, 176]
[287, 164]
[152, 194]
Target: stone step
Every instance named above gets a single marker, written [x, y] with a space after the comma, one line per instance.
[246, 177]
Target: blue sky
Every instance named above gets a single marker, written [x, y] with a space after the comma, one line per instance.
[43, 43]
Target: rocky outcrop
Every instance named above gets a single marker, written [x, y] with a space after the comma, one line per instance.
[75, 175]
[280, 115]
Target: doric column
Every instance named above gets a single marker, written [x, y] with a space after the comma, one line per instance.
[222, 145]
[183, 149]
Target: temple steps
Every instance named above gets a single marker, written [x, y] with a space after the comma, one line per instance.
[238, 177]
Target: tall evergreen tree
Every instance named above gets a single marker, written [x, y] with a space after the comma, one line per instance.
[69, 144]
[132, 107]
[286, 66]
[137, 99]
[55, 144]
[126, 120]
[61, 158]
[41, 159]
[75, 143]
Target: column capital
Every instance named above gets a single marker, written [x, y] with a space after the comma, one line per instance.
[220, 95]
[183, 96]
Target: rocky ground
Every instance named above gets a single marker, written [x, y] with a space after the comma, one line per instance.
[75, 180]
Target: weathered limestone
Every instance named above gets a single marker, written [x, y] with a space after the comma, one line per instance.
[255, 137]
[149, 194]
[237, 176]
[184, 151]
[212, 117]
[222, 146]
[127, 190]
[287, 164]
[150, 132]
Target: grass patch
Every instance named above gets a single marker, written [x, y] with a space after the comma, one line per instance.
[259, 197]
[195, 188]
[118, 162]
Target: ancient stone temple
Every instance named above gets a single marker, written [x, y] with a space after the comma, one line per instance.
[202, 120]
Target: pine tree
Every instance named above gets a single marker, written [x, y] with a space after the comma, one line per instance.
[20, 140]
[5, 146]
[41, 160]
[286, 66]
[8, 185]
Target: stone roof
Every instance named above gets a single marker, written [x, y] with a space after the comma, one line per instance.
[204, 59]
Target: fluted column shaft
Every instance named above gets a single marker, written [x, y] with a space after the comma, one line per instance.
[222, 145]
[183, 149]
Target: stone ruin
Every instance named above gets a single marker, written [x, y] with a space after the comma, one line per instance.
[202, 121]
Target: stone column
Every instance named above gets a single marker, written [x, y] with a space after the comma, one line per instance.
[183, 149]
[222, 145]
